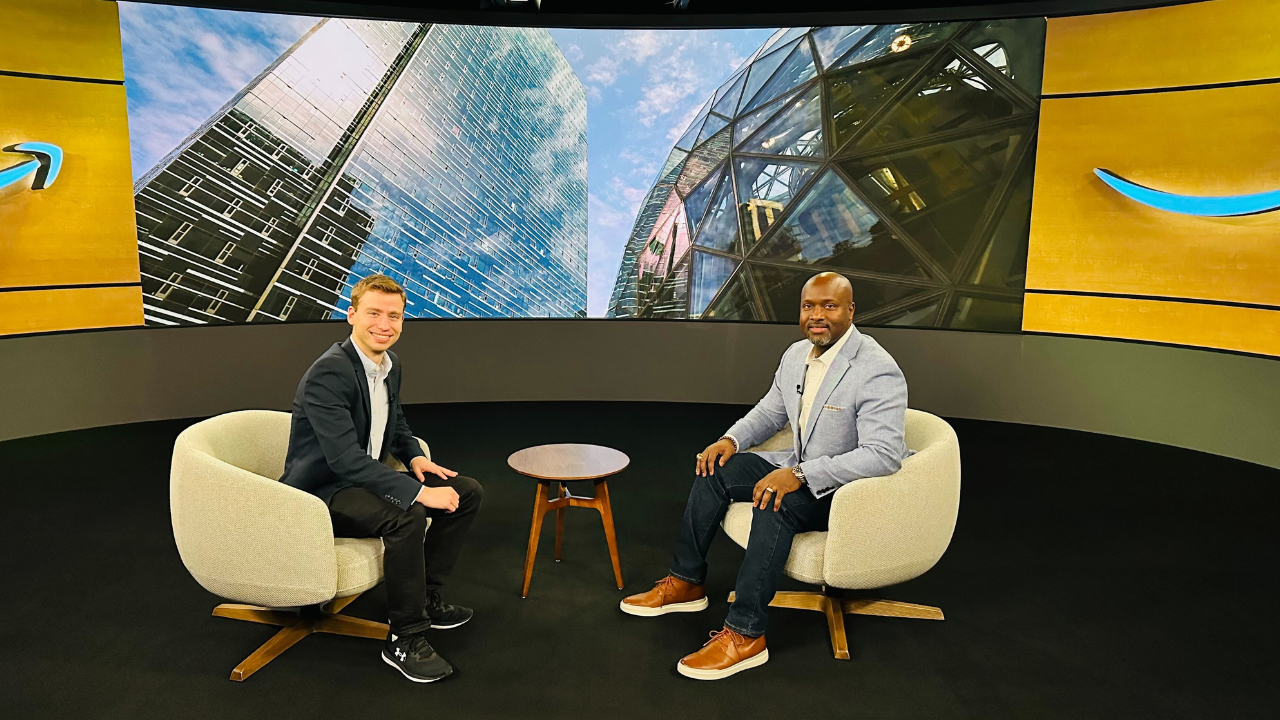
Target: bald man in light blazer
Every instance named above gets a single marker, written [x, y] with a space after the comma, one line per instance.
[846, 400]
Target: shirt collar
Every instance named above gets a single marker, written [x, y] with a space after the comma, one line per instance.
[382, 369]
[826, 357]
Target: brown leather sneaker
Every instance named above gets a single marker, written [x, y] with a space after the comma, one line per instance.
[725, 653]
[670, 594]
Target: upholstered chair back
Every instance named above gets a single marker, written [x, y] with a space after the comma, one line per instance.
[890, 529]
[252, 440]
[241, 533]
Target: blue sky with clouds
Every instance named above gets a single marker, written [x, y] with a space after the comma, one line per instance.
[182, 64]
[643, 87]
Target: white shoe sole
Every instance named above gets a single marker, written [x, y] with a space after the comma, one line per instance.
[389, 661]
[444, 627]
[755, 661]
[639, 611]
[450, 627]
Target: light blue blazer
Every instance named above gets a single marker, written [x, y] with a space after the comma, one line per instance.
[857, 423]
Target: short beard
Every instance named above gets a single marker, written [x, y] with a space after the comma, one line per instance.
[821, 340]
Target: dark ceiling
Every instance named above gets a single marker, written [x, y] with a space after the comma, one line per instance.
[663, 13]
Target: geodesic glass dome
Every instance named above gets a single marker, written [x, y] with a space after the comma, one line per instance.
[898, 155]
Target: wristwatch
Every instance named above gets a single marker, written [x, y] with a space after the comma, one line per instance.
[799, 475]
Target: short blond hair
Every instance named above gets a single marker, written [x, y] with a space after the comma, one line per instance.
[378, 282]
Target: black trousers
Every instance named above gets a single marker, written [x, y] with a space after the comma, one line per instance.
[768, 546]
[415, 559]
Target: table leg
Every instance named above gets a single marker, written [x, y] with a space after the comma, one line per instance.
[563, 492]
[606, 516]
[535, 531]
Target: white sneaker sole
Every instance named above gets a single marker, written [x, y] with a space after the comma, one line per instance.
[389, 661]
[754, 661]
[445, 627]
[450, 627]
[639, 611]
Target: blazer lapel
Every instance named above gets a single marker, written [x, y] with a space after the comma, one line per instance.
[361, 381]
[791, 391]
[835, 373]
[393, 397]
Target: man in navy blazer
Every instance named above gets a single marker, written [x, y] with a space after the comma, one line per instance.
[846, 401]
[346, 420]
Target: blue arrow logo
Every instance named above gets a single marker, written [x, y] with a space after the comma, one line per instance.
[1220, 206]
[45, 165]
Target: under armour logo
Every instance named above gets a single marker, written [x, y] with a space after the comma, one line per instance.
[400, 654]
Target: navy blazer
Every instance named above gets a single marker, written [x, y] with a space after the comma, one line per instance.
[329, 433]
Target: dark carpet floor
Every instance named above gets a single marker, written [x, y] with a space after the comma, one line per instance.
[1089, 577]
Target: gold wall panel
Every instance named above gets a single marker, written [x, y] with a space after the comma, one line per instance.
[82, 229]
[1087, 237]
[72, 38]
[1194, 44]
[29, 311]
[1225, 327]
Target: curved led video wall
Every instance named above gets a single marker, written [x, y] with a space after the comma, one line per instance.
[377, 147]
[898, 155]
[1105, 176]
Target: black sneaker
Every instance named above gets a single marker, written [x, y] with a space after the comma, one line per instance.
[444, 616]
[414, 657]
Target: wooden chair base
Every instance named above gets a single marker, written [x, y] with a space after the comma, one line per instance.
[835, 608]
[322, 619]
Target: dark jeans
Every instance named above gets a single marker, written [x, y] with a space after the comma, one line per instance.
[768, 547]
[415, 558]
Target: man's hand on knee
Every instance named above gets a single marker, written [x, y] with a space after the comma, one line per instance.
[421, 466]
[716, 453]
[440, 498]
[773, 487]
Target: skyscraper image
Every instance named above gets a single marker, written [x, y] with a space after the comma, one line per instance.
[452, 158]
[899, 155]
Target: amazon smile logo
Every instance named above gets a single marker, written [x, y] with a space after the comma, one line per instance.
[44, 165]
[1202, 206]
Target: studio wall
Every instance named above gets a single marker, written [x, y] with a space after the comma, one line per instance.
[923, 160]
[917, 158]
[1223, 403]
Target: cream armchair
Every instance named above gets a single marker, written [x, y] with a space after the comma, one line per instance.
[246, 537]
[883, 531]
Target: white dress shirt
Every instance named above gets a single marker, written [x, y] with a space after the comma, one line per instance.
[814, 371]
[379, 402]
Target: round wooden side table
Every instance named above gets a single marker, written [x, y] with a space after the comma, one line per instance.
[558, 464]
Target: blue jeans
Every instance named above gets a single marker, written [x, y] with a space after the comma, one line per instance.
[768, 546]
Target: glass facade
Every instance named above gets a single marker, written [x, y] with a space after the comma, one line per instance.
[901, 156]
[452, 158]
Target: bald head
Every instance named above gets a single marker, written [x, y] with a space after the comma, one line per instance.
[826, 308]
[835, 283]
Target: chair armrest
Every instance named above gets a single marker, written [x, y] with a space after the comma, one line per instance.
[394, 463]
[886, 530]
[249, 538]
